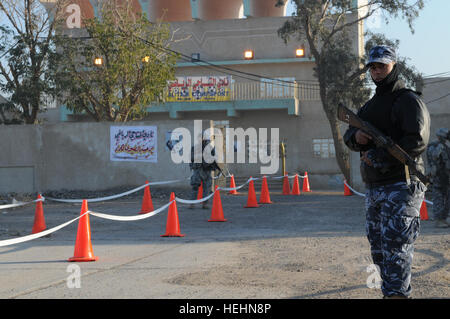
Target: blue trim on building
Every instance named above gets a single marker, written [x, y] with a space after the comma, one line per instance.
[94, 6]
[232, 108]
[64, 113]
[194, 9]
[144, 6]
[247, 8]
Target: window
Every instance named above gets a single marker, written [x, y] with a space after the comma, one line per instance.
[323, 148]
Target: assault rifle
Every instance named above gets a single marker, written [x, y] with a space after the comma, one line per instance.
[216, 167]
[346, 115]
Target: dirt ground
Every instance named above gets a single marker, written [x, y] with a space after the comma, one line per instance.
[311, 246]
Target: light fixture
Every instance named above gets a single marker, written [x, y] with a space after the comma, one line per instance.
[300, 52]
[248, 54]
[195, 57]
[146, 59]
[98, 61]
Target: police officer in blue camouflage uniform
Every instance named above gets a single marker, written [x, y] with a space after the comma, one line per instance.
[438, 156]
[394, 195]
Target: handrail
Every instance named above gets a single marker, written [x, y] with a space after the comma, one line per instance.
[271, 91]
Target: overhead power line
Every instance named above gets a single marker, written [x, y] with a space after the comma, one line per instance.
[221, 68]
[226, 70]
[437, 74]
[437, 81]
[439, 98]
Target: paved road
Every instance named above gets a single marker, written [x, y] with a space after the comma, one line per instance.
[307, 246]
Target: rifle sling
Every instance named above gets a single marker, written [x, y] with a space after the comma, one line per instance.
[408, 179]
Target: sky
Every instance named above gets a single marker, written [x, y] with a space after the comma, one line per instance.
[428, 48]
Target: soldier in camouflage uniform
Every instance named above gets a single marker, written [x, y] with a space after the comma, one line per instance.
[201, 173]
[438, 156]
[394, 195]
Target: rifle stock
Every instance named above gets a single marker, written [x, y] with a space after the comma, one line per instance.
[380, 140]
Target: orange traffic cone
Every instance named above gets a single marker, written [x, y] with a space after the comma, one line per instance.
[265, 196]
[306, 183]
[347, 191]
[39, 220]
[83, 246]
[217, 210]
[286, 186]
[423, 211]
[147, 204]
[200, 191]
[251, 198]
[173, 224]
[232, 185]
[296, 186]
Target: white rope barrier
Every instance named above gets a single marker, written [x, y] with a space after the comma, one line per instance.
[238, 187]
[18, 240]
[360, 194]
[291, 176]
[106, 198]
[194, 201]
[232, 188]
[101, 199]
[357, 193]
[130, 218]
[17, 204]
[276, 177]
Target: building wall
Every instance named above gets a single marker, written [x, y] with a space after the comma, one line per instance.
[297, 132]
[438, 102]
[223, 42]
[75, 156]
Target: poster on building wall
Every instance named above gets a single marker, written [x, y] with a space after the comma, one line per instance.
[133, 143]
[199, 89]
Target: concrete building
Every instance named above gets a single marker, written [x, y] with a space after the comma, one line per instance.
[274, 89]
[436, 93]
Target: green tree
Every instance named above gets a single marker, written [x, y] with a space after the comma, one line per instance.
[328, 27]
[132, 69]
[27, 51]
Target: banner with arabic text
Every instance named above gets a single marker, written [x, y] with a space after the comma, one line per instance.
[133, 143]
[199, 89]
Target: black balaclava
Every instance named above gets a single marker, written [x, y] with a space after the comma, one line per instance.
[388, 82]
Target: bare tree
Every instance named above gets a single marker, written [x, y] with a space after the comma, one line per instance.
[119, 67]
[27, 50]
[326, 26]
